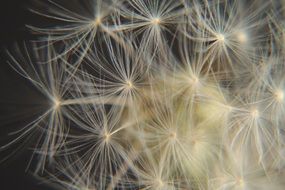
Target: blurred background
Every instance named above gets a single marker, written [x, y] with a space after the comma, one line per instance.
[15, 95]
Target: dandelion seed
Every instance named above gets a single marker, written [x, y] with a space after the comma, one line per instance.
[129, 84]
[97, 21]
[221, 38]
[57, 104]
[77, 25]
[155, 21]
[151, 20]
[251, 131]
[47, 79]
[226, 30]
[107, 137]
[279, 95]
[255, 113]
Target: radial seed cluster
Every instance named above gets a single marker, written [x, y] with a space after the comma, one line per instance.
[157, 94]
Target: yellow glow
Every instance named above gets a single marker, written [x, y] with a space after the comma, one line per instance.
[173, 136]
[56, 104]
[279, 95]
[107, 137]
[255, 113]
[155, 21]
[128, 84]
[159, 183]
[242, 37]
[97, 21]
[194, 81]
[220, 37]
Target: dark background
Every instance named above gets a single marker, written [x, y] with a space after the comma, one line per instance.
[15, 95]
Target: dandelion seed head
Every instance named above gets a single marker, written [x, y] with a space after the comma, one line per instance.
[56, 104]
[107, 137]
[155, 21]
[173, 135]
[279, 95]
[129, 84]
[242, 37]
[194, 81]
[97, 21]
[220, 38]
[254, 113]
[196, 142]
[159, 183]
